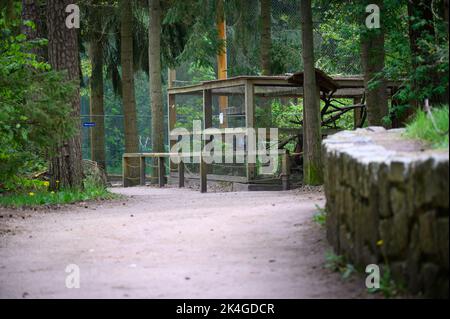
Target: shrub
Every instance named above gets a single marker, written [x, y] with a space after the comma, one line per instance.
[33, 106]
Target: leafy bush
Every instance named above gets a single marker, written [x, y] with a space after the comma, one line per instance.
[320, 217]
[33, 105]
[422, 127]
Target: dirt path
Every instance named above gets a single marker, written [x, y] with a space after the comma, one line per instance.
[171, 243]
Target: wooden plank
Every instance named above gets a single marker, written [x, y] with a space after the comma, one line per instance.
[213, 177]
[142, 171]
[152, 155]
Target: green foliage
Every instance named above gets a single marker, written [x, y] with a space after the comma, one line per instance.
[36, 194]
[338, 263]
[24, 185]
[321, 216]
[193, 23]
[34, 113]
[388, 287]
[422, 127]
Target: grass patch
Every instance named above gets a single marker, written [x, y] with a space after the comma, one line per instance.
[422, 127]
[321, 216]
[388, 287]
[338, 263]
[38, 195]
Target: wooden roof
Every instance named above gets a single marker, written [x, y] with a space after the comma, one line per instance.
[325, 82]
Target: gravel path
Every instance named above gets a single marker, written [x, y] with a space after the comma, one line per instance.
[172, 243]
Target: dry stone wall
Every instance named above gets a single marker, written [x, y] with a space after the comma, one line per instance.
[388, 204]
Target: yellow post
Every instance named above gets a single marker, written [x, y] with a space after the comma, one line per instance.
[222, 72]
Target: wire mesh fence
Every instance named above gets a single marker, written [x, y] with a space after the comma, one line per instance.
[243, 54]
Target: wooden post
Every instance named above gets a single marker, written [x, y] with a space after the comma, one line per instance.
[285, 171]
[161, 171]
[222, 72]
[207, 123]
[181, 174]
[249, 124]
[142, 160]
[203, 175]
[125, 171]
[172, 110]
[172, 120]
[357, 112]
[172, 76]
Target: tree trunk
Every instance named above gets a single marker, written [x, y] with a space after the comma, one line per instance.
[372, 60]
[33, 11]
[266, 36]
[312, 164]
[96, 101]
[65, 167]
[266, 46]
[155, 78]
[128, 97]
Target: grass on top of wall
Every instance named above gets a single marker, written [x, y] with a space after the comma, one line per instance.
[423, 128]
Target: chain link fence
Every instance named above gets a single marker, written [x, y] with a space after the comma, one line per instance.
[243, 54]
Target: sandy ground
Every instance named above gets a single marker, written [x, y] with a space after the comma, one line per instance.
[173, 243]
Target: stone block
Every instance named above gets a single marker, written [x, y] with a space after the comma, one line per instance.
[427, 233]
[442, 230]
[383, 192]
[397, 172]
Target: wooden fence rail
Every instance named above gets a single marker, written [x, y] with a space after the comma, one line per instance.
[161, 158]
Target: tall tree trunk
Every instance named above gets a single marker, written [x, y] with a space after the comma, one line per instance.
[128, 97]
[266, 47]
[372, 60]
[266, 36]
[65, 166]
[155, 78]
[97, 90]
[33, 11]
[312, 164]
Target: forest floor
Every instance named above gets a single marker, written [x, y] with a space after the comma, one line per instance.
[173, 243]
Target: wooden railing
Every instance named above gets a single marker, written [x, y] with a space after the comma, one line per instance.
[161, 158]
